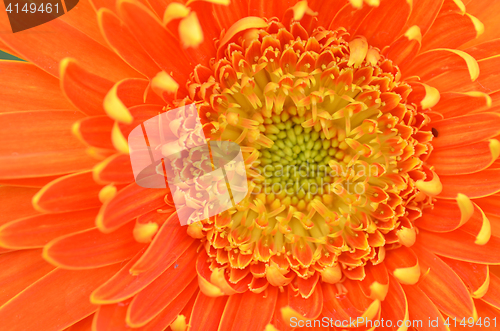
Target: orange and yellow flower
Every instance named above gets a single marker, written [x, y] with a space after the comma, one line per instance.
[369, 131]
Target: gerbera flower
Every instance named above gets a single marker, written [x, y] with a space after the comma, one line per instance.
[369, 133]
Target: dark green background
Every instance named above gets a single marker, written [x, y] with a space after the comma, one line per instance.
[5, 56]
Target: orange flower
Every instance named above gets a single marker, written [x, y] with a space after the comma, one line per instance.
[369, 132]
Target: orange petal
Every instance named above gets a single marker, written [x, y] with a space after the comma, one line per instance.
[115, 169]
[72, 192]
[465, 159]
[160, 44]
[350, 18]
[468, 102]
[92, 249]
[83, 18]
[82, 325]
[475, 185]
[403, 264]
[48, 55]
[36, 231]
[126, 284]
[249, 311]
[465, 130]
[443, 286]
[129, 203]
[484, 50]
[492, 296]
[395, 305]
[475, 276]
[485, 11]
[262, 8]
[424, 13]
[29, 88]
[161, 292]
[85, 90]
[207, 312]
[404, 49]
[435, 62]
[309, 308]
[95, 131]
[460, 245]
[38, 182]
[421, 308]
[446, 215]
[459, 81]
[382, 18]
[327, 9]
[124, 44]
[479, 225]
[19, 270]
[15, 202]
[451, 31]
[40, 143]
[111, 317]
[59, 289]
[227, 15]
[376, 283]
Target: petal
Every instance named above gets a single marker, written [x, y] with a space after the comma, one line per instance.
[459, 80]
[376, 283]
[95, 131]
[249, 311]
[327, 9]
[115, 169]
[262, 8]
[468, 102]
[404, 49]
[443, 286]
[40, 143]
[395, 305]
[82, 17]
[382, 18]
[124, 43]
[484, 50]
[36, 231]
[92, 249]
[403, 264]
[85, 90]
[29, 88]
[424, 13]
[465, 159]
[466, 130]
[421, 308]
[72, 192]
[60, 289]
[129, 203]
[311, 307]
[493, 295]
[161, 292]
[161, 45]
[446, 215]
[460, 245]
[207, 312]
[475, 276]
[476, 185]
[434, 62]
[126, 284]
[83, 325]
[19, 270]
[451, 31]
[228, 15]
[350, 18]
[38, 182]
[47, 53]
[485, 11]
[15, 202]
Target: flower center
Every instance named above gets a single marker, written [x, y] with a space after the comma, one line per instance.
[333, 152]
